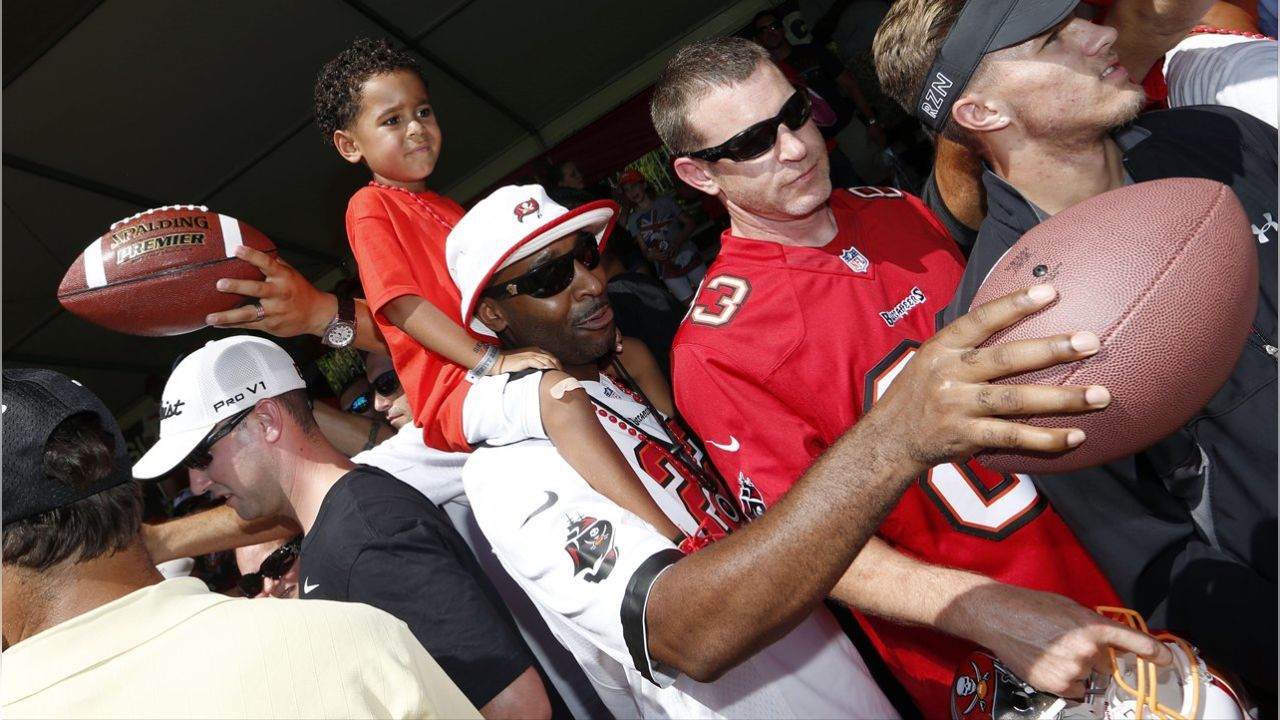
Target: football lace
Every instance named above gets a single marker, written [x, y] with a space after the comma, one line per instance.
[131, 218]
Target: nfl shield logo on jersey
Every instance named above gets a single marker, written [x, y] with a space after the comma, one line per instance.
[856, 261]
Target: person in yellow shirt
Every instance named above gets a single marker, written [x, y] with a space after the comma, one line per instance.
[91, 628]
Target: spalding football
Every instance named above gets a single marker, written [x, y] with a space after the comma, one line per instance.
[1166, 274]
[154, 273]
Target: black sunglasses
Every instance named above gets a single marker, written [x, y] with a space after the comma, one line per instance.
[273, 566]
[761, 137]
[775, 25]
[199, 457]
[386, 383]
[551, 277]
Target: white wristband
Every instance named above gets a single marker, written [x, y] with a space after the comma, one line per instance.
[486, 364]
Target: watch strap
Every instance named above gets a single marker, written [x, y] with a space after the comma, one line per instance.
[346, 310]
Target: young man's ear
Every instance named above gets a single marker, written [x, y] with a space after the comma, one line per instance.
[977, 114]
[490, 313]
[695, 175]
[347, 146]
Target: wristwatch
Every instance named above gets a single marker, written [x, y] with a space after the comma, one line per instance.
[341, 331]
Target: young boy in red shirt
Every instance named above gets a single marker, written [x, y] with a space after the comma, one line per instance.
[371, 101]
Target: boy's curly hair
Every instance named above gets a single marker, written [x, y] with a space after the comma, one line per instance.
[337, 93]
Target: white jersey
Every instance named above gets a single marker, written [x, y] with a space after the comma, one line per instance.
[434, 473]
[588, 565]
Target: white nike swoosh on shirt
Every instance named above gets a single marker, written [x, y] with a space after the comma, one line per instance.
[307, 586]
[731, 447]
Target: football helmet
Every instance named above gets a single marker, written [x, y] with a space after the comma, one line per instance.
[1187, 689]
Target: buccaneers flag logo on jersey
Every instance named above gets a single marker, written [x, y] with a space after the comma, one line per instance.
[591, 548]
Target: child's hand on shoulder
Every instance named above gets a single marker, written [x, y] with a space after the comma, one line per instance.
[524, 359]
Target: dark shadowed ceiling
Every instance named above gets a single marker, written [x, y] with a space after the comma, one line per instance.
[111, 107]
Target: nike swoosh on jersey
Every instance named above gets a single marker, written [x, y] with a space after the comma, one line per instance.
[551, 500]
[307, 586]
[731, 447]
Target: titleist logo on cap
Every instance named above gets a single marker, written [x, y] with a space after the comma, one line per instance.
[936, 95]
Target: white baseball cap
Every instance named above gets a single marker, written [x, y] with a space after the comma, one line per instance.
[215, 382]
[511, 224]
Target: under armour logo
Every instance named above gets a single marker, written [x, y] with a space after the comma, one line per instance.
[1261, 232]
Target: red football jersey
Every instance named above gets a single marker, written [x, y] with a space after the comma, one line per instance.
[786, 347]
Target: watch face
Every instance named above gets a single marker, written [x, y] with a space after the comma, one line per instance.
[340, 335]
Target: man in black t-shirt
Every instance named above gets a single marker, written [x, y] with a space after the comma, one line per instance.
[237, 416]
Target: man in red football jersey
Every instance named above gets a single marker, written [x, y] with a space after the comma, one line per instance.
[815, 303]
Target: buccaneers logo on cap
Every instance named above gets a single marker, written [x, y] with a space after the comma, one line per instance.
[591, 548]
[526, 208]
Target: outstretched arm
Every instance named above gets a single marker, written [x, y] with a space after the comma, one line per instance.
[349, 433]
[1048, 640]
[292, 305]
[932, 413]
[209, 531]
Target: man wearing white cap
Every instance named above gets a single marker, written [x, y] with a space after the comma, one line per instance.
[91, 629]
[236, 415]
[733, 629]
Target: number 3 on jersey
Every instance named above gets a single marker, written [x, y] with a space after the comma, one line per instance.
[732, 292]
[974, 499]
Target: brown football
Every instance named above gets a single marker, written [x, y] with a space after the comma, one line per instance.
[154, 273]
[1166, 274]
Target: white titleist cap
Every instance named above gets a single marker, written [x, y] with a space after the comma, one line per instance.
[215, 382]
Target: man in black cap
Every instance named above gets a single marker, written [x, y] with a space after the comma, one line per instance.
[92, 629]
[1186, 530]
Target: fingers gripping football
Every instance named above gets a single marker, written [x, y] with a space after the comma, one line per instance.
[948, 410]
[291, 305]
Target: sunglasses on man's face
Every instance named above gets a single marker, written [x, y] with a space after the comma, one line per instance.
[385, 384]
[761, 137]
[274, 566]
[200, 457]
[762, 29]
[551, 277]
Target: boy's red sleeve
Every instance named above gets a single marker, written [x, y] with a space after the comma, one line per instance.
[383, 260]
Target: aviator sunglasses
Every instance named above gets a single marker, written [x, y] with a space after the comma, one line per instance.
[273, 566]
[199, 457]
[552, 277]
[761, 137]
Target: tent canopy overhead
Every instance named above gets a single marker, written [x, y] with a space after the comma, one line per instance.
[115, 107]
